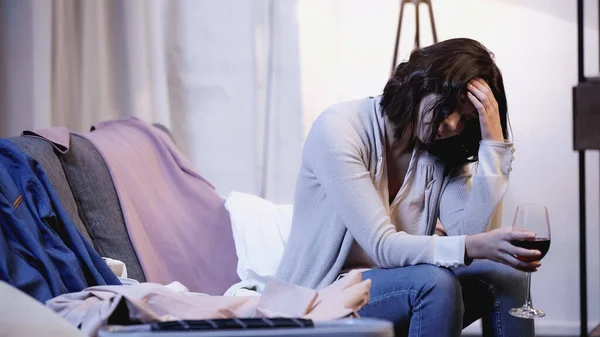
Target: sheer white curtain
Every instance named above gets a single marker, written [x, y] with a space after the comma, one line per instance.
[223, 75]
[241, 79]
[75, 63]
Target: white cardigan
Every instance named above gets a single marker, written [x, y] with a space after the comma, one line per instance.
[341, 200]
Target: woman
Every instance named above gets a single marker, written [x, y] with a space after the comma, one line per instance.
[381, 175]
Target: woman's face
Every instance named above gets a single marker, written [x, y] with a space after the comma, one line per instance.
[449, 127]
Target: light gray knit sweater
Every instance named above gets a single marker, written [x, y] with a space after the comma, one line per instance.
[341, 200]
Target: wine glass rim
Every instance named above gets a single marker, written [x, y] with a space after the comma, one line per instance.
[523, 208]
[531, 205]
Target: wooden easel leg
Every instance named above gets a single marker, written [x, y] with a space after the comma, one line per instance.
[397, 46]
[418, 26]
[432, 20]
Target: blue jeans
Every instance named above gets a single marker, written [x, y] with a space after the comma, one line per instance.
[425, 300]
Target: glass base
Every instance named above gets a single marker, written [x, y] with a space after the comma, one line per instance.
[527, 312]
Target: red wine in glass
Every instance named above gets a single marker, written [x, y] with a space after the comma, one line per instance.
[531, 218]
[541, 244]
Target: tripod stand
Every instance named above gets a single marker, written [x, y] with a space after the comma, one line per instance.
[417, 3]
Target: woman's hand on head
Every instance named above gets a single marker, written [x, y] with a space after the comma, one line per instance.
[482, 97]
[496, 246]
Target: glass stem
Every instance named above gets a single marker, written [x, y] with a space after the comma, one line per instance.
[528, 296]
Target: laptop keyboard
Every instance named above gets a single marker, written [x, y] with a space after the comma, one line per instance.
[232, 324]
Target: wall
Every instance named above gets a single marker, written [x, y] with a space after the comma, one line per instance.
[346, 50]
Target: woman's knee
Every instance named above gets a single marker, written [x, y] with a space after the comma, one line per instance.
[422, 281]
[440, 283]
[440, 297]
[415, 295]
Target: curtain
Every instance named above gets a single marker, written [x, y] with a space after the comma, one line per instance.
[75, 63]
[222, 75]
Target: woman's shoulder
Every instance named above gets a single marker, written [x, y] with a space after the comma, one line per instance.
[346, 109]
[344, 129]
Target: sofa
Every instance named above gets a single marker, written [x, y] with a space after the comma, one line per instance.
[83, 182]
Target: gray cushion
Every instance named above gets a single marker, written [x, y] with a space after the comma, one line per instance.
[99, 207]
[43, 152]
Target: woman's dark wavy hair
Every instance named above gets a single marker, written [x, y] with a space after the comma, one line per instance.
[443, 69]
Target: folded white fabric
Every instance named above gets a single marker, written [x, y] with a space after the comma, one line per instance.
[117, 267]
[260, 231]
[120, 269]
[128, 281]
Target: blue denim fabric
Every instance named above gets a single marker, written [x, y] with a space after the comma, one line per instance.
[41, 251]
[425, 300]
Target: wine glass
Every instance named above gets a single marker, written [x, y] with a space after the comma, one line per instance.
[533, 218]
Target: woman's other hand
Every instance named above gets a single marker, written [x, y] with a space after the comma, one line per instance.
[482, 97]
[496, 246]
